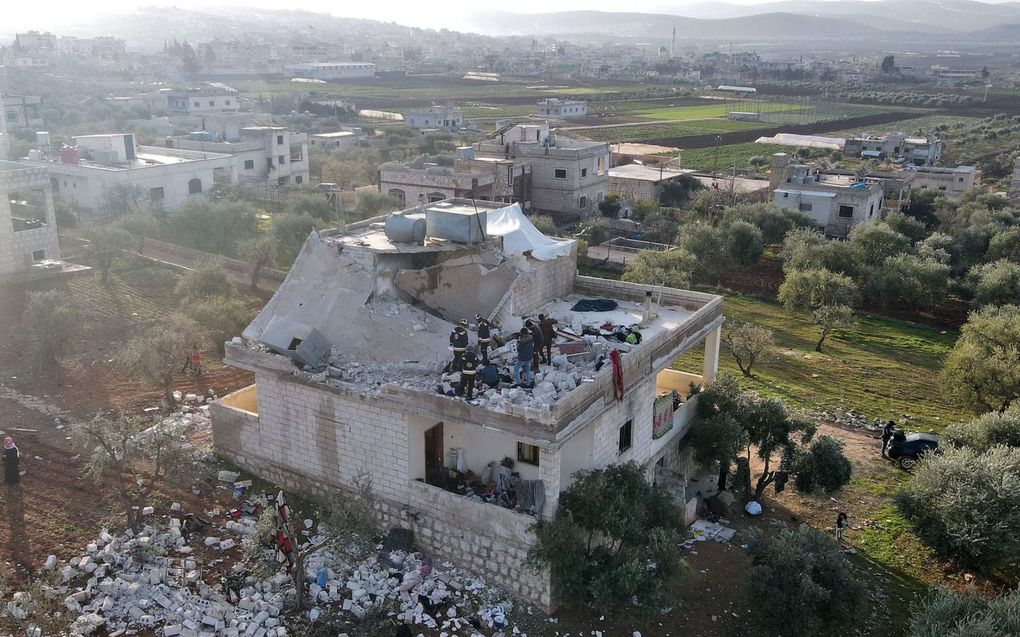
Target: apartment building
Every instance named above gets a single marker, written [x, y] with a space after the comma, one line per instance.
[919, 151]
[445, 118]
[562, 109]
[261, 153]
[198, 101]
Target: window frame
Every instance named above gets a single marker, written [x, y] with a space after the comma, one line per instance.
[625, 438]
[528, 454]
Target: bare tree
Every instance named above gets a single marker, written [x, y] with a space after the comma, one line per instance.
[830, 318]
[261, 253]
[106, 244]
[158, 354]
[137, 453]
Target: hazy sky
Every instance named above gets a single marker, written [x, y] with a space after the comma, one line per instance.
[17, 15]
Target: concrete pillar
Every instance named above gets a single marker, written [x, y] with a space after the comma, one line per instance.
[712, 354]
[51, 211]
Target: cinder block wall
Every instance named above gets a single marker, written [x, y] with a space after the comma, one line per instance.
[315, 441]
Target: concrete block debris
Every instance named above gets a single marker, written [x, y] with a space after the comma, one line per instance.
[703, 530]
[228, 476]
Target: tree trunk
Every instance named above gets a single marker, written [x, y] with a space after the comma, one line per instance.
[821, 340]
[168, 392]
[724, 469]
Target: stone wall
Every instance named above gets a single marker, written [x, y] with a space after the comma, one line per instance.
[634, 190]
[542, 282]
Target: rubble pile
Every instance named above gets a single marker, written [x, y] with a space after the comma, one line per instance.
[156, 580]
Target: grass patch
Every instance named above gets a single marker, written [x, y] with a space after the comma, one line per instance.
[614, 134]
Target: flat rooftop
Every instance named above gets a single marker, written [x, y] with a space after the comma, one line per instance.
[646, 173]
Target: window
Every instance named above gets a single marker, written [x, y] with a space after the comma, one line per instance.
[195, 186]
[212, 103]
[156, 195]
[961, 180]
[197, 104]
[582, 202]
[279, 139]
[436, 196]
[397, 194]
[560, 173]
[298, 179]
[249, 164]
[39, 255]
[281, 160]
[786, 195]
[846, 212]
[805, 207]
[281, 181]
[584, 172]
[528, 454]
[227, 102]
[942, 187]
[12, 116]
[871, 211]
[626, 432]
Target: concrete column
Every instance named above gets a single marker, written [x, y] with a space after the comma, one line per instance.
[712, 354]
[51, 211]
[549, 472]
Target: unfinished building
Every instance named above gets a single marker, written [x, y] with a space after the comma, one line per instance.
[349, 359]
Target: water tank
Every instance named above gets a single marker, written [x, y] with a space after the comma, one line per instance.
[69, 155]
[42, 138]
[460, 223]
[35, 154]
[405, 228]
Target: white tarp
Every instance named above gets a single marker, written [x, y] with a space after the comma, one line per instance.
[807, 141]
[520, 235]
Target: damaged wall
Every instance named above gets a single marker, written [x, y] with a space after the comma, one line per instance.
[460, 288]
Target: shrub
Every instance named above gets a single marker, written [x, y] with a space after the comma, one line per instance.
[544, 224]
[824, 466]
[808, 249]
[909, 281]
[946, 613]
[291, 231]
[612, 542]
[208, 279]
[986, 431]
[1005, 245]
[52, 325]
[705, 242]
[873, 243]
[672, 268]
[801, 584]
[965, 504]
[984, 365]
[807, 290]
[220, 317]
[909, 227]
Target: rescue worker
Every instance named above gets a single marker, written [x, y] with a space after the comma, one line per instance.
[548, 326]
[468, 369]
[525, 351]
[484, 337]
[536, 335]
[459, 343]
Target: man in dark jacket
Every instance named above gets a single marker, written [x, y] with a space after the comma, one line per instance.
[536, 335]
[484, 337]
[525, 353]
[887, 434]
[459, 343]
[468, 370]
[548, 326]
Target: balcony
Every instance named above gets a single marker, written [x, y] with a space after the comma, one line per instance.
[683, 404]
[466, 512]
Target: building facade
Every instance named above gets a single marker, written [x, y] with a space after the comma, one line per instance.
[500, 180]
[199, 101]
[836, 203]
[952, 182]
[918, 151]
[324, 432]
[28, 223]
[637, 182]
[331, 70]
[261, 153]
[562, 109]
[168, 177]
[445, 118]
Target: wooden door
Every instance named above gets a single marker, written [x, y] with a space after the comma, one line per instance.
[434, 455]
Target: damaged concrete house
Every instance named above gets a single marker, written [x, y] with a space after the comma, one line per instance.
[349, 359]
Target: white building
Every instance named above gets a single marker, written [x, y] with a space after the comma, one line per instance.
[260, 153]
[336, 140]
[919, 151]
[198, 101]
[835, 203]
[80, 175]
[331, 70]
[445, 118]
[952, 182]
[317, 423]
[562, 109]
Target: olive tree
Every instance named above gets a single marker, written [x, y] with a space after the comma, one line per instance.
[749, 343]
[873, 243]
[908, 281]
[744, 243]
[261, 254]
[106, 244]
[823, 466]
[946, 613]
[613, 540]
[671, 268]
[801, 584]
[984, 366]
[51, 324]
[965, 504]
[987, 430]
[995, 283]
[830, 318]
[807, 290]
[707, 244]
[773, 430]
[157, 355]
[718, 434]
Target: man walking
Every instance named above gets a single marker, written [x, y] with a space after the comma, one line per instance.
[547, 325]
[459, 343]
[525, 353]
[887, 434]
[536, 336]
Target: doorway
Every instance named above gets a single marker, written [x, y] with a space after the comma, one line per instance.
[434, 455]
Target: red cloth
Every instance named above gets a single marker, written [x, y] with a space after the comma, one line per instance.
[614, 358]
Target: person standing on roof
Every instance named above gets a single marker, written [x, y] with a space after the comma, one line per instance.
[547, 325]
[525, 352]
[459, 343]
[484, 337]
[536, 335]
[468, 369]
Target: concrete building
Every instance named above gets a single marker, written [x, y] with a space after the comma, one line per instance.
[331, 70]
[335, 141]
[918, 151]
[562, 109]
[487, 179]
[22, 111]
[199, 101]
[347, 357]
[952, 182]
[445, 118]
[636, 182]
[80, 175]
[260, 153]
[28, 222]
[569, 176]
[835, 203]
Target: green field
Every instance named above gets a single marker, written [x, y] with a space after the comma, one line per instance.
[643, 132]
[884, 369]
[730, 155]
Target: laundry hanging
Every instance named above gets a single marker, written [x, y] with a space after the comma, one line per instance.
[614, 357]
